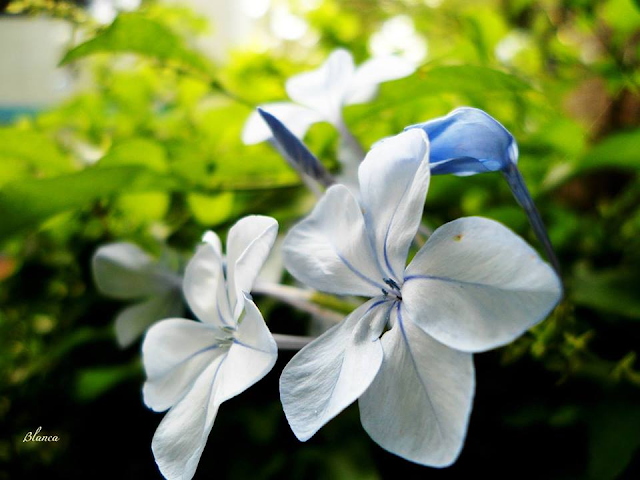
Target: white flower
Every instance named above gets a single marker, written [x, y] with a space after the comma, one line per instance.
[406, 353]
[123, 271]
[194, 366]
[319, 95]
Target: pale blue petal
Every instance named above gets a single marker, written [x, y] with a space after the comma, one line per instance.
[204, 285]
[475, 285]
[249, 242]
[331, 372]
[252, 355]
[394, 178]
[418, 406]
[174, 352]
[330, 250]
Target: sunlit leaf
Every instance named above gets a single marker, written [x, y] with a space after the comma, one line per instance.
[31, 150]
[144, 207]
[463, 79]
[135, 33]
[137, 151]
[211, 210]
[24, 204]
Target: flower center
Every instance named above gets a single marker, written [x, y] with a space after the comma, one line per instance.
[394, 288]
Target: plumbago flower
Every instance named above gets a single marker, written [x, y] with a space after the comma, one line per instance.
[406, 352]
[468, 141]
[124, 271]
[194, 366]
[320, 95]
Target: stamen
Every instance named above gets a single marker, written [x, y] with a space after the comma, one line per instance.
[391, 283]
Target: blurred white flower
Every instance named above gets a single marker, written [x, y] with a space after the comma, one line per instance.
[320, 94]
[124, 271]
[194, 366]
[397, 36]
[105, 11]
[286, 25]
[512, 44]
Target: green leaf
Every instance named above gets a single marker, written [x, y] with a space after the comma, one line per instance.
[613, 291]
[618, 150]
[92, 383]
[137, 151]
[463, 79]
[211, 210]
[613, 439]
[144, 207]
[31, 150]
[135, 33]
[25, 204]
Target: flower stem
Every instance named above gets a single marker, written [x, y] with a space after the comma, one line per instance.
[305, 300]
[523, 197]
[291, 342]
[350, 141]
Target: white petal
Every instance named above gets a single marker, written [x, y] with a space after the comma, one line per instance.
[330, 373]
[394, 178]
[252, 355]
[296, 118]
[475, 285]
[374, 71]
[134, 320]
[329, 250]
[204, 285]
[182, 435]
[273, 267]
[175, 351]
[124, 271]
[419, 404]
[248, 245]
[325, 88]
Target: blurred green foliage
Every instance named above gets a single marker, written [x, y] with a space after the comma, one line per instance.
[151, 153]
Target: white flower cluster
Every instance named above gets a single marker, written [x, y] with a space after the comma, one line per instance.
[405, 354]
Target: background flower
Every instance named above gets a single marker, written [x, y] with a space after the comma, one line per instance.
[124, 271]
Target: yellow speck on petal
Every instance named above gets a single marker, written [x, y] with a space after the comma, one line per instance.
[457, 237]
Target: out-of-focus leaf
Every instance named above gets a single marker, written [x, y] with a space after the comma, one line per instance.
[620, 150]
[92, 383]
[613, 439]
[137, 151]
[24, 204]
[622, 15]
[135, 33]
[614, 291]
[464, 79]
[32, 150]
[144, 207]
[211, 210]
